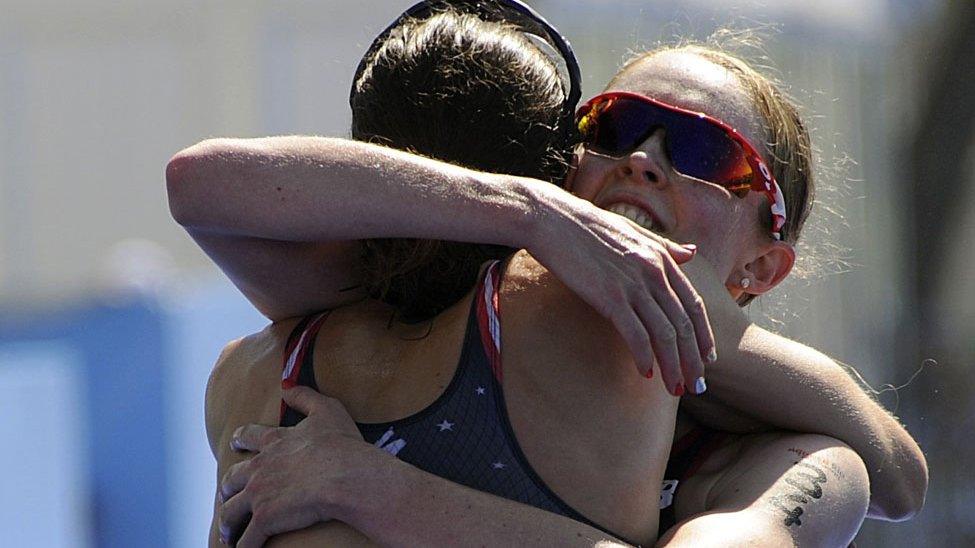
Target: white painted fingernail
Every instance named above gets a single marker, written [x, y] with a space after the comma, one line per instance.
[700, 386]
[712, 355]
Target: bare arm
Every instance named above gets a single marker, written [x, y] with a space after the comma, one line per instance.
[780, 490]
[427, 510]
[277, 215]
[787, 385]
[321, 470]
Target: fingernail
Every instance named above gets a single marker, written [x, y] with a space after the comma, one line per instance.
[221, 497]
[690, 247]
[679, 389]
[649, 374]
[224, 534]
[700, 386]
[712, 355]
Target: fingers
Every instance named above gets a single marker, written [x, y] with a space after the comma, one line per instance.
[681, 253]
[253, 537]
[693, 311]
[253, 437]
[631, 328]
[234, 517]
[663, 338]
[680, 334]
[324, 412]
[234, 480]
[303, 399]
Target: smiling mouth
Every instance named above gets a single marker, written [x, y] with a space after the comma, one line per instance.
[636, 214]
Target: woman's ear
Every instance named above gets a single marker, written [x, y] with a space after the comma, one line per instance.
[769, 268]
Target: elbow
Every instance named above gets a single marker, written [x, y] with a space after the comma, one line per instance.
[916, 487]
[188, 175]
[908, 494]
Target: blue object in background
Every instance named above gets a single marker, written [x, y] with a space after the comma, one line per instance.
[102, 412]
[45, 485]
[121, 356]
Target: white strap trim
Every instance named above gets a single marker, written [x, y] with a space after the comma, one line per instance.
[293, 358]
[494, 325]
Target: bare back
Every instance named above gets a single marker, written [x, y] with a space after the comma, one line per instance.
[593, 430]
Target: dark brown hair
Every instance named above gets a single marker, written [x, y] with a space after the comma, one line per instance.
[470, 92]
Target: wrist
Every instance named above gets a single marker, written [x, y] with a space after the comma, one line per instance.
[523, 219]
[548, 207]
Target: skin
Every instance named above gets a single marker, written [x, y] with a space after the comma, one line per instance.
[279, 216]
[725, 227]
[590, 426]
[678, 202]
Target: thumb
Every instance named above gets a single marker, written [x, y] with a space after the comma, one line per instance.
[302, 398]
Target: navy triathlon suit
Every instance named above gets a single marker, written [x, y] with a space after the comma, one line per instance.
[464, 435]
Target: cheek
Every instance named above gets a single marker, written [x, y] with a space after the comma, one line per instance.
[585, 181]
[715, 227]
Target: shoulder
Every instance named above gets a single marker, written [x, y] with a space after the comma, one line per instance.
[546, 327]
[244, 375]
[536, 290]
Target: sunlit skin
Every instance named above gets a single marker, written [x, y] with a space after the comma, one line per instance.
[746, 491]
[728, 230]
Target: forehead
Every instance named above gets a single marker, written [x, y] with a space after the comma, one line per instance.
[690, 81]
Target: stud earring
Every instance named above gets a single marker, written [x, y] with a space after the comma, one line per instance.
[745, 282]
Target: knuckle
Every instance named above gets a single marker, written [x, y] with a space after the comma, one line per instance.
[640, 344]
[655, 269]
[268, 437]
[332, 405]
[256, 463]
[685, 327]
[228, 476]
[666, 334]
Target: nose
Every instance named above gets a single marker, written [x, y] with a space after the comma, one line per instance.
[647, 164]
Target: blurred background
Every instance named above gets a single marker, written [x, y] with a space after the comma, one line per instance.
[110, 317]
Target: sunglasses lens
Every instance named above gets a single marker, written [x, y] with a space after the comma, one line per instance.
[615, 127]
[704, 151]
[697, 147]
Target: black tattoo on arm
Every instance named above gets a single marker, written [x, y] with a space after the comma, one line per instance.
[805, 485]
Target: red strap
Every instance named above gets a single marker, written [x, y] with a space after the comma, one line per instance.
[487, 289]
[295, 353]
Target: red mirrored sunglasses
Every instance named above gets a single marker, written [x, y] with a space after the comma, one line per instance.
[697, 145]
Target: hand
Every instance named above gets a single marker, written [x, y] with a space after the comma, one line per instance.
[297, 474]
[629, 275]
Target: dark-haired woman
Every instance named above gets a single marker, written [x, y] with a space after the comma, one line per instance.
[580, 426]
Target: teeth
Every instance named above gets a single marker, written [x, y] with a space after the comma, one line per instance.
[634, 214]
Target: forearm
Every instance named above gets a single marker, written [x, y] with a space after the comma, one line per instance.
[405, 506]
[790, 386]
[324, 189]
[777, 490]
[805, 391]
